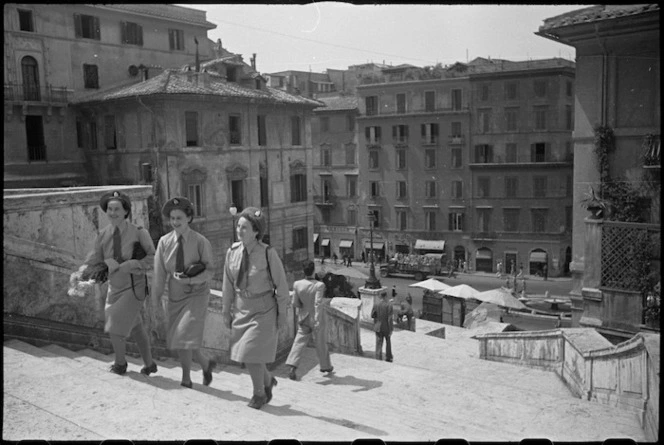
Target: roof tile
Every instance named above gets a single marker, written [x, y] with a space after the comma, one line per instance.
[596, 14]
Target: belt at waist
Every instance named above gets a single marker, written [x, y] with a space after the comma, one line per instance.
[245, 294]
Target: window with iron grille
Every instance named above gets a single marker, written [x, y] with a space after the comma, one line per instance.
[483, 186]
[429, 133]
[195, 195]
[262, 130]
[401, 159]
[457, 189]
[295, 130]
[511, 186]
[132, 33]
[455, 221]
[298, 183]
[429, 101]
[402, 220]
[539, 186]
[484, 120]
[511, 90]
[510, 152]
[429, 158]
[25, 20]
[375, 189]
[87, 27]
[326, 186]
[430, 189]
[538, 152]
[350, 154]
[511, 119]
[457, 157]
[372, 135]
[455, 130]
[373, 160]
[351, 186]
[456, 99]
[539, 217]
[540, 117]
[234, 129]
[90, 76]
[300, 238]
[483, 154]
[430, 220]
[401, 103]
[540, 88]
[401, 190]
[176, 39]
[511, 220]
[110, 136]
[400, 133]
[371, 105]
[352, 217]
[191, 128]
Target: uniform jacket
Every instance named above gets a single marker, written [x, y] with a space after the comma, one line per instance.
[308, 296]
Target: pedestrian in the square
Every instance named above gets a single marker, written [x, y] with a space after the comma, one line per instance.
[309, 299]
[465, 269]
[545, 270]
[406, 310]
[394, 291]
[364, 258]
[334, 258]
[382, 314]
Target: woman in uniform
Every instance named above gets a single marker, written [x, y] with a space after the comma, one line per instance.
[114, 246]
[178, 254]
[255, 285]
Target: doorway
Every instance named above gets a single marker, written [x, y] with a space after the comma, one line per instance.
[34, 132]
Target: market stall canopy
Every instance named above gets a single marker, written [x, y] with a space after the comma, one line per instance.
[376, 245]
[325, 242]
[501, 297]
[462, 291]
[345, 243]
[315, 237]
[431, 284]
[538, 257]
[430, 244]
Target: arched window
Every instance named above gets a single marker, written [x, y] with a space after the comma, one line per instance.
[30, 72]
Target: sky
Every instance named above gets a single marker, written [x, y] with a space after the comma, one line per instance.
[322, 35]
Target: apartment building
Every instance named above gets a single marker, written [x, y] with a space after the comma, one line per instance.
[54, 52]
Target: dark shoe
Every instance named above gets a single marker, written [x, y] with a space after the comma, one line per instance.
[118, 369]
[207, 373]
[187, 385]
[388, 360]
[291, 373]
[268, 390]
[147, 370]
[257, 402]
[330, 369]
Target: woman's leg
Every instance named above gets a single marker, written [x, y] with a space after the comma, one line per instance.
[200, 358]
[257, 371]
[141, 338]
[185, 362]
[119, 348]
[267, 376]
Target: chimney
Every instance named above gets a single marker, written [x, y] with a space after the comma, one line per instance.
[219, 49]
[198, 62]
[253, 62]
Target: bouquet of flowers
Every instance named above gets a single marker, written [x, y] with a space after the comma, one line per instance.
[83, 281]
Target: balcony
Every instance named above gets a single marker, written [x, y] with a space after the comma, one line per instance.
[456, 140]
[431, 141]
[375, 143]
[34, 93]
[484, 236]
[328, 200]
[651, 151]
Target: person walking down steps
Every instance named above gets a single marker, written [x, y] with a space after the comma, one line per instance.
[382, 314]
[309, 298]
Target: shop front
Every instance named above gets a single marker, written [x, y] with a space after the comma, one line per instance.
[346, 248]
[378, 249]
[536, 262]
[484, 260]
[325, 248]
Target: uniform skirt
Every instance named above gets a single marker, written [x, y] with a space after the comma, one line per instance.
[187, 309]
[123, 303]
[254, 329]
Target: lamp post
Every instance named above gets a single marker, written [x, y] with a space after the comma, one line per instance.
[233, 211]
[372, 282]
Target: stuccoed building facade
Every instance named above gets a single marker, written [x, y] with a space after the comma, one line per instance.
[218, 136]
[56, 51]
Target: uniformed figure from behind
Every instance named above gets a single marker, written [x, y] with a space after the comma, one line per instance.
[308, 297]
[382, 314]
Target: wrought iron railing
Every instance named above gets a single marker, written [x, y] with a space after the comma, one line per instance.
[35, 93]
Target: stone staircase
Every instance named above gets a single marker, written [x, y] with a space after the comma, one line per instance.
[436, 388]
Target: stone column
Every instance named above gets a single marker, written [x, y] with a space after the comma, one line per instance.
[369, 298]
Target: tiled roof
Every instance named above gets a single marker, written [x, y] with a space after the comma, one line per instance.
[500, 65]
[336, 103]
[596, 14]
[179, 13]
[177, 82]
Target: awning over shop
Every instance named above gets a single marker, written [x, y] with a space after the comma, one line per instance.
[483, 254]
[538, 257]
[376, 245]
[430, 244]
[315, 237]
[325, 242]
[345, 243]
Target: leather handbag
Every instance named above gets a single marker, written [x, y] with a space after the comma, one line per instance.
[194, 269]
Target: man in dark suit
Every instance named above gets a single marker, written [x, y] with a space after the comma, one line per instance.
[382, 314]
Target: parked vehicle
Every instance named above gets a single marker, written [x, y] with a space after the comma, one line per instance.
[419, 266]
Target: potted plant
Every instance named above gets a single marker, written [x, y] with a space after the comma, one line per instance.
[597, 206]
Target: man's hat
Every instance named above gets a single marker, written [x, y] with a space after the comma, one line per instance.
[178, 203]
[118, 196]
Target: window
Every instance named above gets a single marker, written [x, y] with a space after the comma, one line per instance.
[430, 221]
[430, 189]
[540, 88]
[195, 195]
[400, 133]
[325, 158]
[568, 218]
[324, 124]
[25, 20]
[373, 159]
[457, 161]
[350, 123]
[372, 105]
[429, 158]
[34, 132]
[176, 39]
[483, 186]
[234, 129]
[511, 186]
[90, 76]
[191, 128]
[569, 123]
[455, 130]
[402, 220]
[262, 130]
[87, 26]
[372, 135]
[569, 186]
[570, 88]
[484, 93]
[456, 99]
[351, 186]
[457, 189]
[510, 152]
[511, 220]
[375, 189]
[539, 220]
[237, 193]
[401, 190]
[539, 186]
[511, 119]
[401, 103]
[264, 188]
[483, 154]
[401, 160]
[538, 152]
[350, 154]
[298, 183]
[511, 91]
[456, 221]
[300, 238]
[376, 217]
[30, 75]
[540, 117]
[132, 33]
[231, 74]
[429, 133]
[484, 120]
[429, 101]
[325, 215]
[484, 220]
[352, 217]
[80, 136]
[295, 130]
[92, 131]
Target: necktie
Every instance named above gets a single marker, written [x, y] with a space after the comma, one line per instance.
[117, 245]
[242, 273]
[179, 256]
